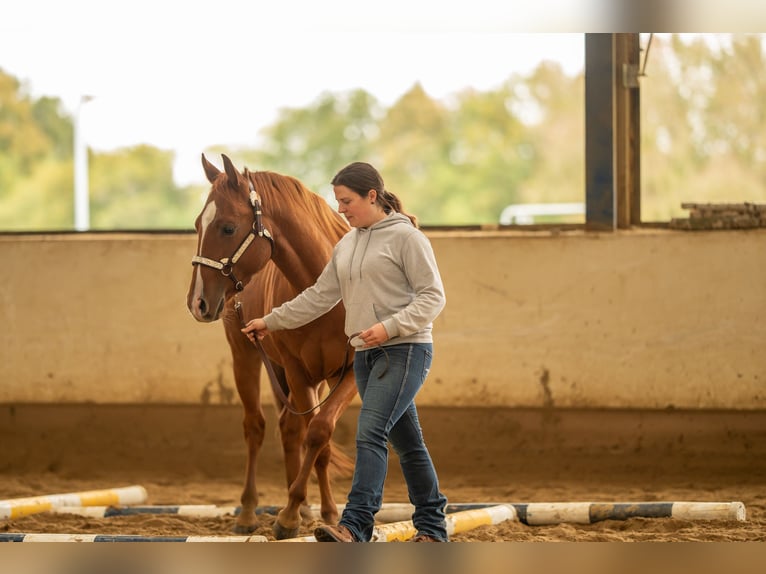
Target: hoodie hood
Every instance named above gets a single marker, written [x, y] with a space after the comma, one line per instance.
[363, 237]
[392, 218]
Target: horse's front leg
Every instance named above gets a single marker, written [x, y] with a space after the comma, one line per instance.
[292, 430]
[254, 426]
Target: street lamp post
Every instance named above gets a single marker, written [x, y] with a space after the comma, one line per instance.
[81, 192]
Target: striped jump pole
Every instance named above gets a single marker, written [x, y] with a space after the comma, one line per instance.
[18, 537]
[389, 512]
[196, 510]
[401, 511]
[16, 507]
[457, 522]
[540, 513]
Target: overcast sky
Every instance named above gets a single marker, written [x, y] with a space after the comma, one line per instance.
[184, 76]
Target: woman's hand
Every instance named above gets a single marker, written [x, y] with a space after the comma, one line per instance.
[374, 336]
[256, 328]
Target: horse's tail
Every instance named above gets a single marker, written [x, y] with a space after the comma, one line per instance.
[341, 463]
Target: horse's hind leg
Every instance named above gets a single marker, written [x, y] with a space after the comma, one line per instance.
[329, 456]
[317, 455]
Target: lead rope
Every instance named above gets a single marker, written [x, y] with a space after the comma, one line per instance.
[276, 387]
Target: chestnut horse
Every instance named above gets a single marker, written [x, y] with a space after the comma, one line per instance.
[262, 239]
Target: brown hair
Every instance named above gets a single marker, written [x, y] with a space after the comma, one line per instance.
[361, 177]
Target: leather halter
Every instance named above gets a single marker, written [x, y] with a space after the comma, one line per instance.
[226, 265]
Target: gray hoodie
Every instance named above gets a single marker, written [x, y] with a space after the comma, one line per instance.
[385, 273]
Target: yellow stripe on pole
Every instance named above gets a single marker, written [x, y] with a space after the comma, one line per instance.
[123, 496]
[461, 521]
[457, 522]
[466, 520]
[395, 531]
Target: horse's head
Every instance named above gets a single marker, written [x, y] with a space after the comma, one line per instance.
[232, 243]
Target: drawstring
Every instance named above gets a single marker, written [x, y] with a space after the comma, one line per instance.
[359, 237]
[366, 245]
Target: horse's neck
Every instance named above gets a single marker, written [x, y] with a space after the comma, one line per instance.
[300, 255]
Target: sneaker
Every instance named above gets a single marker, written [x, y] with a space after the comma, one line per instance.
[337, 533]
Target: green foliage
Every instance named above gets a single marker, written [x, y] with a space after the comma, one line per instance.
[41, 201]
[129, 189]
[556, 132]
[703, 110]
[311, 143]
[21, 136]
[35, 161]
[134, 189]
[57, 127]
[412, 152]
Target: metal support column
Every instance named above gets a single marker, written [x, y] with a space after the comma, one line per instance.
[600, 196]
[612, 131]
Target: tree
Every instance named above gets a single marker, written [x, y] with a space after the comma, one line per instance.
[410, 152]
[23, 141]
[43, 200]
[134, 189]
[311, 144]
[129, 189]
[551, 105]
[492, 155]
[35, 160]
[703, 107]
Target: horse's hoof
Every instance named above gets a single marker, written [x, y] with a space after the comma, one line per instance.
[282, 533]
[244, 529]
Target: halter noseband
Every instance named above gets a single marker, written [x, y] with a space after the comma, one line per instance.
[226, 265]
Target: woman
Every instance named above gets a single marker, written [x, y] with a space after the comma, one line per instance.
[385, 273]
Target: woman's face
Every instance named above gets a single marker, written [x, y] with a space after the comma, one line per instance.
[359, 211]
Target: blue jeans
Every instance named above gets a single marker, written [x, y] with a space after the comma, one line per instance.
[388, 380]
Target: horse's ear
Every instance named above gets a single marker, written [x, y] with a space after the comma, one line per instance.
[210, 170]
[231, 172]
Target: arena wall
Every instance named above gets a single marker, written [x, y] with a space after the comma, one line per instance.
[647, 319]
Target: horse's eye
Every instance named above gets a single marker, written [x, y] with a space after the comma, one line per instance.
[229, 229]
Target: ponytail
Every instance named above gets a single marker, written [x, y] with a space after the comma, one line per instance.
[390, 202]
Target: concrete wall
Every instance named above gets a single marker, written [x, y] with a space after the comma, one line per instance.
[634, 319]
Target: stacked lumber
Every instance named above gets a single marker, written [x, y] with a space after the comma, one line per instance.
[721, 216]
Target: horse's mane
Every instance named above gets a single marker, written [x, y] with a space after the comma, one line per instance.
[286, 196]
